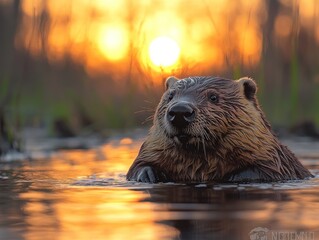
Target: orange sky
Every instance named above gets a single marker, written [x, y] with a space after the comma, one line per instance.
[160, 35]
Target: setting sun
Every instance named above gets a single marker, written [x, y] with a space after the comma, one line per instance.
[164, 51]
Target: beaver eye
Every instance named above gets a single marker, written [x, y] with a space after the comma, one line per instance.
[213, 98]
[170, 96]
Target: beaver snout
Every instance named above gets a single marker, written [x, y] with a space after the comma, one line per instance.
[180, 114]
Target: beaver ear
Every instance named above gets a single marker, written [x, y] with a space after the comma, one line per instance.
[170, 81]
[248, 86]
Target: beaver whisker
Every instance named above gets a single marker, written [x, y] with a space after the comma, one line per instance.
[148, 119]
[205, 137]
[210, 134]
[204, 148]
[167, 135]
[197, 145]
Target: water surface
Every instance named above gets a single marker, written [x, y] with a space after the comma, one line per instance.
[82, 194]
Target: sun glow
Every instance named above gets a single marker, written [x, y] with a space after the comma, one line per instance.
[164, 51]
[104, 34]
[113, 43]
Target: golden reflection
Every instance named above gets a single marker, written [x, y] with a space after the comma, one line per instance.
[126, 141]
[81, 212]
[113, 158]
[103, 213]
[56, 206]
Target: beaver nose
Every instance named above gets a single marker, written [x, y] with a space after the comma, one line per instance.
[180, 115]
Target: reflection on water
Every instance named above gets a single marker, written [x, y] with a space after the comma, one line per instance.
[81, 213]
[82, 194]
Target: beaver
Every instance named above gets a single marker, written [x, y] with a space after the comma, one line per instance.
[212, 129]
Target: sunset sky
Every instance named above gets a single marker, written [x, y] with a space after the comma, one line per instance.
[160, 35]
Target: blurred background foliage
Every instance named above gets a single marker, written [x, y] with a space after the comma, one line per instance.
[88, 65]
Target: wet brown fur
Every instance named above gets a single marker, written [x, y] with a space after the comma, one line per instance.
[229, 137]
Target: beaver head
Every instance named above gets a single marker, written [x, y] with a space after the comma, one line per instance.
[201, 111]
[212, 129]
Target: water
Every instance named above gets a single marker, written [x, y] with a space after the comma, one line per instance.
[83, 194]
